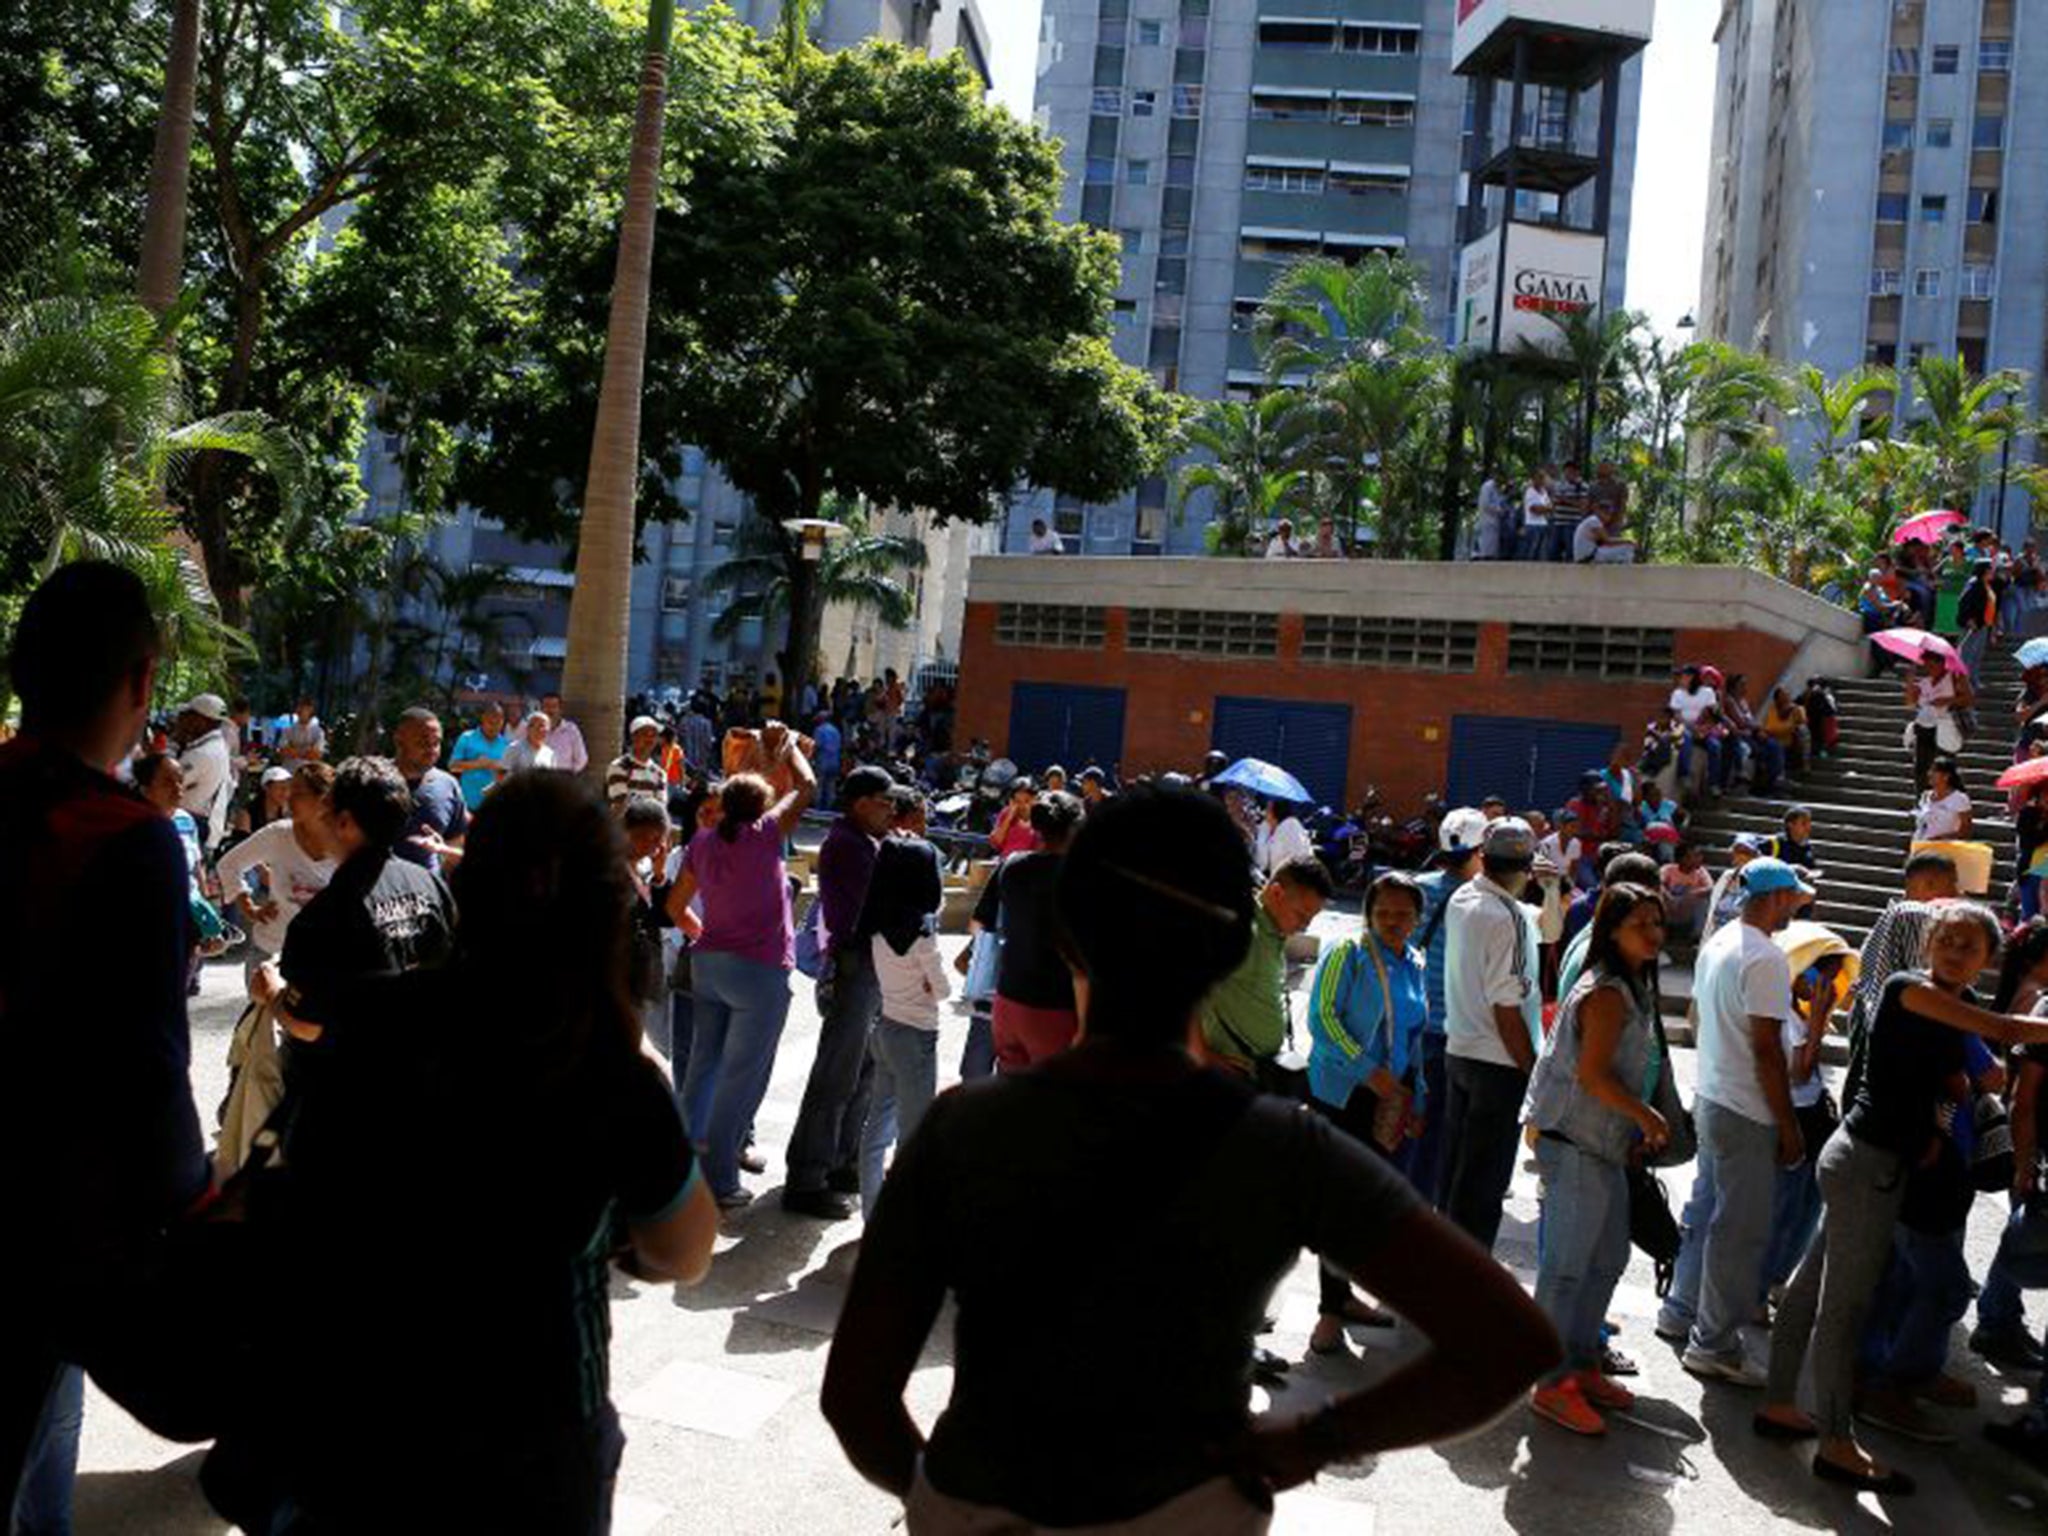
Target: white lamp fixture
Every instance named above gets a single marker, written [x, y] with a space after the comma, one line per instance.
[813, 533]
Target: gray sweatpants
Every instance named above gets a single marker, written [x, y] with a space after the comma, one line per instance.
[1862, 1188]
[1744, 1156]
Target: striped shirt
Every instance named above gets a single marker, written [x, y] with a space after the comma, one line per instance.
[628, 776]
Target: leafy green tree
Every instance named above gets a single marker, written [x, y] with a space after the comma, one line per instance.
[891, 309]
[1961, 420]
[1253, 465]
[859, 569]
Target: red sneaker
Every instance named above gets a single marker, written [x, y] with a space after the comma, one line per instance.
[1604, 1392]
[1565, 1404]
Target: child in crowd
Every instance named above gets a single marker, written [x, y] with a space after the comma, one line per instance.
[1564, 849]
[1662, 822]
[1823, 719]
[1795, 844]
[1725, 905]
[1688, 887]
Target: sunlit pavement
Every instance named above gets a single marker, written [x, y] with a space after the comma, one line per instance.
[718, 1388]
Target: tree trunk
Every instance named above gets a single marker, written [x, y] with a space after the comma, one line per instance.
[207, 505]
[600, 611]
[1453, 488]
[805, 615]
[162, 263]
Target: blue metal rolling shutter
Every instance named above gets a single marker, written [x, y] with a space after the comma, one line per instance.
[1530, 763]
[1065, 723]
[1563, 753]
[1311, 741]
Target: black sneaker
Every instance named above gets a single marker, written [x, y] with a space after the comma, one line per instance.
[825, 1204]
[844, 1181]
[2014, 1350]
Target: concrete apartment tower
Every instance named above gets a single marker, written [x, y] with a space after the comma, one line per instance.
[1879, 188]
[1221, 139]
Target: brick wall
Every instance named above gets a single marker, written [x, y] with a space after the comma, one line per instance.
[1400, 721]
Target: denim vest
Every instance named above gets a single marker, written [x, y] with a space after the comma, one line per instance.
[1557, 1103]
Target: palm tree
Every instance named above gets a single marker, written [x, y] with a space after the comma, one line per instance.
[1961, 421]
[1596, 352]
[1254, 448]
[600, 611]
[1320, 312]
[858, 569]
[162, 262]
[93, 445]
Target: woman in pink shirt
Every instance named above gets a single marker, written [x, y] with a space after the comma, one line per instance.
[1013, 832]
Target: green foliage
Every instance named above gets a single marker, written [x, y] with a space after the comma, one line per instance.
[858, 569]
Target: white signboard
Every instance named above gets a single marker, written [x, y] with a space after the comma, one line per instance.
[1479, 20]
[1549, 274]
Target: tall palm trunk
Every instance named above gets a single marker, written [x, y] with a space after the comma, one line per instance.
[600, 611]
[162, 264]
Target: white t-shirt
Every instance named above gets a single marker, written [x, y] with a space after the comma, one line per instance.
[295, 878]
[1535, 508]
[1283, 845]
[1561, 853]
[1933, 698]
[1940, 819]
[1282, 547]
[307, 740]
[913, 984]
[522, 754]
[1587, 537]
[209, 784]
[1691, 706]
[1491, 960]
[1740, 975]
[1807, 1094]
[1047, 543]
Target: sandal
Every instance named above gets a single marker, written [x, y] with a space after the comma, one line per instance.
[1834, 1472]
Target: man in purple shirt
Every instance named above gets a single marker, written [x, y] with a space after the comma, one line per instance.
[824, 1149]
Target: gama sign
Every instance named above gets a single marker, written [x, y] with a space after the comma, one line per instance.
[1550, 275]
[1479, 20]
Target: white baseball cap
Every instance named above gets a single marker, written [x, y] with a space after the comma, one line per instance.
[208, 706]
[1462, 831]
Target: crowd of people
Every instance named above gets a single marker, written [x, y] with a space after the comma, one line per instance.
[1143, 1144]
[1558, 515]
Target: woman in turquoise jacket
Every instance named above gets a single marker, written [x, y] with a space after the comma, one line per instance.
[1367, 1011]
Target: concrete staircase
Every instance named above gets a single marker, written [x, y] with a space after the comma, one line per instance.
[1862, 799]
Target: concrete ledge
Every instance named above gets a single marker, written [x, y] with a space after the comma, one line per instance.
[1650, 596]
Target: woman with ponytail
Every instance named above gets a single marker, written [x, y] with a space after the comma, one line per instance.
[1119, 1192]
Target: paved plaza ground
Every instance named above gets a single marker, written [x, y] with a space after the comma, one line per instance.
[718, 1386]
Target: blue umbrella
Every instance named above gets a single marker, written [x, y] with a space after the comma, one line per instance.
[2035, 652]
[1258, 777]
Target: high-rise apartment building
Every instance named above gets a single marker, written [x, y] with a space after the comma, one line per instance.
[671, 639]
[1222, 139]
[1879, 186]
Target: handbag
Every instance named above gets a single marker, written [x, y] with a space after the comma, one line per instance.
[1393, 1095]
[983, 961]
[1683, 1145]
[1992, 1162]
[1651, 1226]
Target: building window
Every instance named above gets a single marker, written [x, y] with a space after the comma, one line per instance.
[1941, 131]
[1298, 36]
[1144, 103]
[1279, 245]
[1101, 170]
[1283, 178]
[1151, 34]
[1123, 314]
[1898, 132]
[1976, 280]
[1881, 354]
[1138, 172]
[1180, 170]
[1988, 132]
[1994, 55]
[1133, 241]
[1067, 516]
[1891, 207]
[1110, 30]
[1376, 111]
[1905, 61]
[1584, 650]
[1069, 626]
[1173, 242]
[1166, 309]
[1884, 282]
[1933, 210]
[1948, 58]
[1203, 632]
[1927, 283]
[1187, 101]
[1379, 39]
[1425, 645]
[1194, 32]
[1283, 107]
[1364, 183]
[1107, 101]
[1983, 205]
[1914, 353]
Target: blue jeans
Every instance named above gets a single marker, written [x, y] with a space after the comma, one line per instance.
[1422, 1159]
[1535, 544]
[1795, 1212]
[738, 1012]
[1771, 762]
[1727, 1224]
[978, 1055]
[906, 1079]
[1926, 1288]
[1581, 1247]
[1711, 746]
[42, 1504]
[835, 1108]
[2021, 1265]
[1971, 648]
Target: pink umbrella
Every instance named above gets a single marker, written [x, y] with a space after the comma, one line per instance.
[1918, 645]
[1924, 526]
